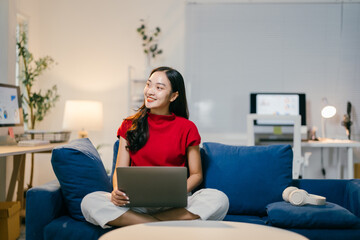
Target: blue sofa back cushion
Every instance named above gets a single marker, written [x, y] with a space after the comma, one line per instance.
[328, 216]
[80, 171]
[251, 177]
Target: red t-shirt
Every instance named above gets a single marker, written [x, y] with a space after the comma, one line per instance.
[169, 137]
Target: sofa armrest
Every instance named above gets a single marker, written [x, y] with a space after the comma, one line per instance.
[343, 192]
[43, 204]
[332, 189]
[352, 196]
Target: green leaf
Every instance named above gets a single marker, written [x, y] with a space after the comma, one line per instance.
[149, 39]
[153, 48]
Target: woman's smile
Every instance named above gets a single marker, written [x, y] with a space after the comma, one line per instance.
[150, 99]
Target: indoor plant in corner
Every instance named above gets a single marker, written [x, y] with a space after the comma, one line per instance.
[36, 104]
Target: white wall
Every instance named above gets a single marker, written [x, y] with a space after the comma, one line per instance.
[93, 43]
[7, 41]
[237, 48]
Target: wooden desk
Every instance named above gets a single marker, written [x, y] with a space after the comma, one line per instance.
[200, 230]
[18, 171]
[337, 143]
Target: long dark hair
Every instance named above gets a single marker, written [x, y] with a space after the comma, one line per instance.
[138, 133]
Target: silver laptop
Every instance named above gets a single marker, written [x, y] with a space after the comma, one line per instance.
[153, 186]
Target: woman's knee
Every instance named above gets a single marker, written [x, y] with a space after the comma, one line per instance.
[93, 199]
[222, 199]
[217, 201]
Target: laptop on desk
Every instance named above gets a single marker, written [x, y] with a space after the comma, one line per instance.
[153, 186]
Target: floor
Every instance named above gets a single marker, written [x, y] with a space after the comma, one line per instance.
[22, 232]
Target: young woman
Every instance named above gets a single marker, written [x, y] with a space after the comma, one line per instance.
[159, 134]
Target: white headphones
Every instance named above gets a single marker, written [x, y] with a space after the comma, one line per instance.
[299, 197]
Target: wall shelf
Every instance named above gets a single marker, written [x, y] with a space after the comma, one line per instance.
[136, 91]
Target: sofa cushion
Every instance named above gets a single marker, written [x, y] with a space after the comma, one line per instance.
[328, 234]
[66, 227]
[80, 171]
[251, 177]
[352, 193]
[246, 219]
[283, 214]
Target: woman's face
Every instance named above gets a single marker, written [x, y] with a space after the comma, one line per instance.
[158, 93]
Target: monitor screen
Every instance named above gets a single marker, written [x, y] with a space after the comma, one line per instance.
[278, 104]
[10, 107]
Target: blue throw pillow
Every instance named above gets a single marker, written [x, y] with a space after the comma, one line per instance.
[284, 215]
[80, 171]
[251, 177]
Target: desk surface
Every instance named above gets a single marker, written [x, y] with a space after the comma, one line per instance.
[328, 142]
[201, 230]
[12, 150]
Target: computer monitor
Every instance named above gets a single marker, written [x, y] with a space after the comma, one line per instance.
[11, 114]
[278, 104]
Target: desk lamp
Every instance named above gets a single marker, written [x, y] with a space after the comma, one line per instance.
[327, 112]
[83, 116]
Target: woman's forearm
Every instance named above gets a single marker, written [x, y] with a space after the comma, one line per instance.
[115, 180]
[193, 181]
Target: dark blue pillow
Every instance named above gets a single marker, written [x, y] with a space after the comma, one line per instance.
[251, 177]
[284, 215]
[80, 171]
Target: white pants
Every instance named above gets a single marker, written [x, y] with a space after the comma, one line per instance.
[209, 204]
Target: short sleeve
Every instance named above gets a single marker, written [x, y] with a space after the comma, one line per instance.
[125, 125]
[193, 137]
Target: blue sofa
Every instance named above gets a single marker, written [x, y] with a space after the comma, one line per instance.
[252, 177]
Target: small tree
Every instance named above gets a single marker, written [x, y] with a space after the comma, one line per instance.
[37, 104]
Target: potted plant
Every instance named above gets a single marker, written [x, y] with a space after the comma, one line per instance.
[149, 42]
[36, 103]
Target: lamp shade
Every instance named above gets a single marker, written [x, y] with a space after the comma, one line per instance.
[328, 111]
[83, 115]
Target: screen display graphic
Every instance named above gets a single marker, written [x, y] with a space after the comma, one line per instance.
[9, 106]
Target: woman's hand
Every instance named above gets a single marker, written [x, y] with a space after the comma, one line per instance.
[119, 198]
